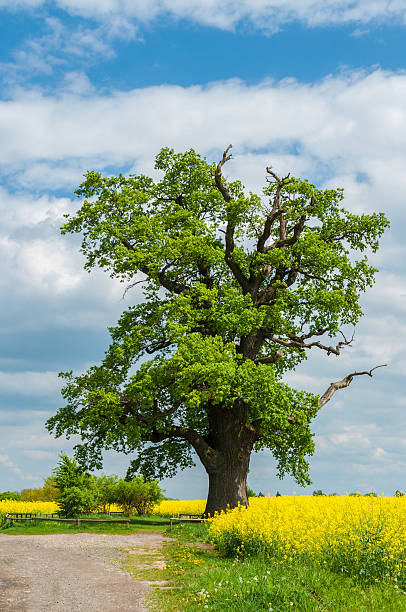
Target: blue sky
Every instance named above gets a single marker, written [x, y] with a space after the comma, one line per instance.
[316, 88]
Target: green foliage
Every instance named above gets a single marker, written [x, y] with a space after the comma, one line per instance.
[106, 487]
[10, 495]
[137, 495]
[48, 492]
[203, 580]
[76, 500]
[366, 557]
[78, 493]
[318, 492]
[225, 296]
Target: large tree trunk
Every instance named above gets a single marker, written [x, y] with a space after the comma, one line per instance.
[228, 485]
[232, 441]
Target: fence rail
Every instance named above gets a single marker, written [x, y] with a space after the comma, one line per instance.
[27, 516]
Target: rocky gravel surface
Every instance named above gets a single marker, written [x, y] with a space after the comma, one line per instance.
[70, 572]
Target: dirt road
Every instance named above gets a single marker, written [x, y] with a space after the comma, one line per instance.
[70, 573]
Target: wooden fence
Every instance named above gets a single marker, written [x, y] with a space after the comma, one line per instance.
[29, 516]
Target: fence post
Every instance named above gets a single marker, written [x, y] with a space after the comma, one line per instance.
[78, 522]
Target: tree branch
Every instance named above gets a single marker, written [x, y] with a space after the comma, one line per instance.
[217, 175]
[284, 242]
[271, 358]
[130, 410]
[169, 284]
[342, 384]
[230, 246]
[298, 342]
[207, 455]
[270, 220]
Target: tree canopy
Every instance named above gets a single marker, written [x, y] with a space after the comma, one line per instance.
[237, 288]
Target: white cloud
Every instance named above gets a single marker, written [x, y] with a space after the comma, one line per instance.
[38, 454]
[6, 462]
[378, 453]
[63, 44]
[341, 126]
[266, 15]
[30, 383]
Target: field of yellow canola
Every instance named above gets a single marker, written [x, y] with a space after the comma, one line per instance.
[164, 508]
[363, 536]
[9, 505]
[172, 507]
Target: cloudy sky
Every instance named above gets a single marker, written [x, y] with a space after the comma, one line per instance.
[316, 87]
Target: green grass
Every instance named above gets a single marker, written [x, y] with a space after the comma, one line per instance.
[153, 524]
[198, 579]
[202, 580]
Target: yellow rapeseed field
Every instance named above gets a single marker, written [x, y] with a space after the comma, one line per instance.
[171, 507]
[353, 534]
[9, 505]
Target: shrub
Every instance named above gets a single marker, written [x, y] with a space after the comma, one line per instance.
[137, 495]
[78, 490]
[10, 495]
[106, 487]
[75, 501]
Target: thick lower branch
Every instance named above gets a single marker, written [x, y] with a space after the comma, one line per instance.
[207, 455]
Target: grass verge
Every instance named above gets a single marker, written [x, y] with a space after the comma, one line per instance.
[155, 524]
[198, 579]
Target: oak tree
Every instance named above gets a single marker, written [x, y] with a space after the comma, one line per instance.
[237, 289]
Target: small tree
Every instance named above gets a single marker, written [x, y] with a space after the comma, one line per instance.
[107, 490]
[137, 495]
[77, 491]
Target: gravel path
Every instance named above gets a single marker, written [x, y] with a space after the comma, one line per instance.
[70, 573]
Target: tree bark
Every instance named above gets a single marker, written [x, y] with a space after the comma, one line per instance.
[233, 441]
[228, 484]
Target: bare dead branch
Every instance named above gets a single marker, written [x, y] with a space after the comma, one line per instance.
[298, 342]
[234, 267]
[335, 386]
[283, 241]
[130, 286]
[218, 177]
[276, 178]
[271, 218]
[343, 383]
